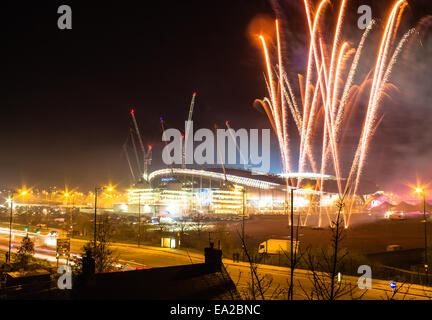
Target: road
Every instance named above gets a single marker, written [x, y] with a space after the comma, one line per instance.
[153, 257]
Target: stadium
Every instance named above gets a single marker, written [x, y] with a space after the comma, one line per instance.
[181, 191]
[177, 192]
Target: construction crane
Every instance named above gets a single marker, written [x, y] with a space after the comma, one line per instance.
[128, 159]
[187, 133]
[147, 154]
[227, 184]
[166, 142]
[147, 161]
[131, 132]
[235, 142]
[131, 138]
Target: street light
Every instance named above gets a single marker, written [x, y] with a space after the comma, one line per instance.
[244, 212]
[109, 188]
[423, 192]
[139, 218]
[292, 243]
[95, 213]
[243, 190]
[11, 201]
[68, 196]
[71, 214]
[10, 225]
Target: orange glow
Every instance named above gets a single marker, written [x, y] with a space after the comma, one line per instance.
[110, 188]
[261, 24]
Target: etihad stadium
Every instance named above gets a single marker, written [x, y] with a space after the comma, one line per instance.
[178, 192]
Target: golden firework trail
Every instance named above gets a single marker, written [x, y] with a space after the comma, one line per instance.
[326, 90]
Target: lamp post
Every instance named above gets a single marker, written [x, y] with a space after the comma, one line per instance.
[66, 195]
[139, 219]
[244, 212]
[95, 214]
[11, 198]
[110, 189]
[243, 220]
[292, 234]
[10, 226]
[71, 215]
[292, 243]
[423, 192]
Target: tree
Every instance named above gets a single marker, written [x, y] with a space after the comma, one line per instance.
[162, 227]
[144, 227]
[105, 260]
[222, 236]
[293, 257]
[183, 226]
[324, 268]
[124, 232]
[199, 224]
[83, 223]
[25, 253]
[259, 285]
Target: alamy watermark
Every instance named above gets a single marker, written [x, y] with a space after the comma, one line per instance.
[65, 280]
[365, 20]
[365, 280]
[253, 147]
[65, 20]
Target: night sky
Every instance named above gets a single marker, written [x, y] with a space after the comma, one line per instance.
[65, 95]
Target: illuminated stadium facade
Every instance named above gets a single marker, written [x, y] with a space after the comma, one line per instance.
[178, 191]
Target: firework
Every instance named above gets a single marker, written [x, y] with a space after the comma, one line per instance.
[326, 91]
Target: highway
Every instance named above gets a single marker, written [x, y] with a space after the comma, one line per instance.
[133, 257]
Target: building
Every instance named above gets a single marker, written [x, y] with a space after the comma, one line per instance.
[177, 192]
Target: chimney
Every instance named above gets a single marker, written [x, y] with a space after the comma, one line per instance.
[213, 257]
[88, 264]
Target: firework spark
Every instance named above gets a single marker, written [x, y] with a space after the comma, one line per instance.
[326, 91]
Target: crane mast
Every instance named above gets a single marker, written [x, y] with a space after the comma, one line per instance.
[135, 152]
[220, 154]
[146, 154]
[243, 159]
[187, 133]
[128, 160]
[166, 143]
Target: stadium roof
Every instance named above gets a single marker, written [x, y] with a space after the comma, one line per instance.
[264, 181]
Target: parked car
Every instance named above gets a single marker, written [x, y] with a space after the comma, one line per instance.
[277, 246]
[53, 234]
[394, 247]
[395, 215]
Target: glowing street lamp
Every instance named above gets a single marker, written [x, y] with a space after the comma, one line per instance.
[23, 191]
[11, 201]
[423, 192]
[67, 195]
